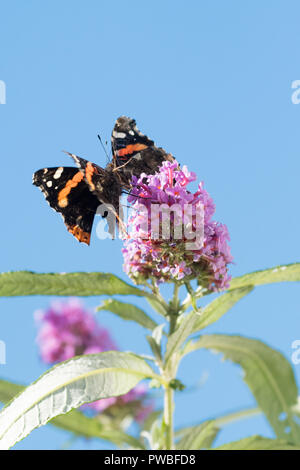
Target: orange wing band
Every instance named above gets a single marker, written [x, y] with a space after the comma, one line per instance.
[131, 149]
[63, 194]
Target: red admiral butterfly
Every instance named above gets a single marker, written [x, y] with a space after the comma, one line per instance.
[77, 193]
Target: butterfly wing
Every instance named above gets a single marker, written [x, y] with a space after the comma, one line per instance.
[133, 152]
[105, 186]
[67, 193]
[77, 193]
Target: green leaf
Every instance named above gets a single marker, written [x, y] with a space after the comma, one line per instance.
[81, 425]
[128, 312]
[155, 343]
[184, 330]
[198, 437]
[229, 418]
[8, 390]
[258, 443]
[75, 421]
[269, 376]
[157, 305]
[284, 273]
[20, 283]
[155, 348]
[68, 385]
[218, 307]
[151, 418]
[155, 436]
[158, 332]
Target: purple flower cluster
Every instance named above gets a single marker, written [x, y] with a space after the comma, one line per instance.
[164, 259]
[67, 329]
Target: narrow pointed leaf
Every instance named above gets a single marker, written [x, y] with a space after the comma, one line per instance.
[218, 307]
[21, 283]
[229, 418]
[157, 305]
[9, 390]
[158, 332]
[155, 348]
[151, 418]
[269, 376]
[81, 425]
[68, 385]
[75, 421]
[284, 273]
[128, 312]
[258, 443]
[177, 338]
[198, 437]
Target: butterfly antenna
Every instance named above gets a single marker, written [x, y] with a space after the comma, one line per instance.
[134, 195]
[104, 148]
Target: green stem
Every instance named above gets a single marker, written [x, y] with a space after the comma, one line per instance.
[173, 321]
[198, 293]
[168, 418]
[192, 294]
[174, 308]
[175, 300]
[156, 296]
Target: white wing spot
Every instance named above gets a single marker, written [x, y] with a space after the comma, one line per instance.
[49, 184]
[58, 173]
[119, 135]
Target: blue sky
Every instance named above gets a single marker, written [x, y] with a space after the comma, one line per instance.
[208, 81]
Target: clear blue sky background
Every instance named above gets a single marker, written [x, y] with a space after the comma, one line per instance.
[208, 81]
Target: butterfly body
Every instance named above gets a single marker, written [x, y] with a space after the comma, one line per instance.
[76, 193]
[133, 152]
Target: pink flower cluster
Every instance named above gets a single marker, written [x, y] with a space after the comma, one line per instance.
[67, 329]
[164, 259]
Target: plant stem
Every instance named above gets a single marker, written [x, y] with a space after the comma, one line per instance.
[198, 293]
[174, 308]
[156, 296]
[168, 418]
[175, 299]
[173, 321]
[192, 295]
